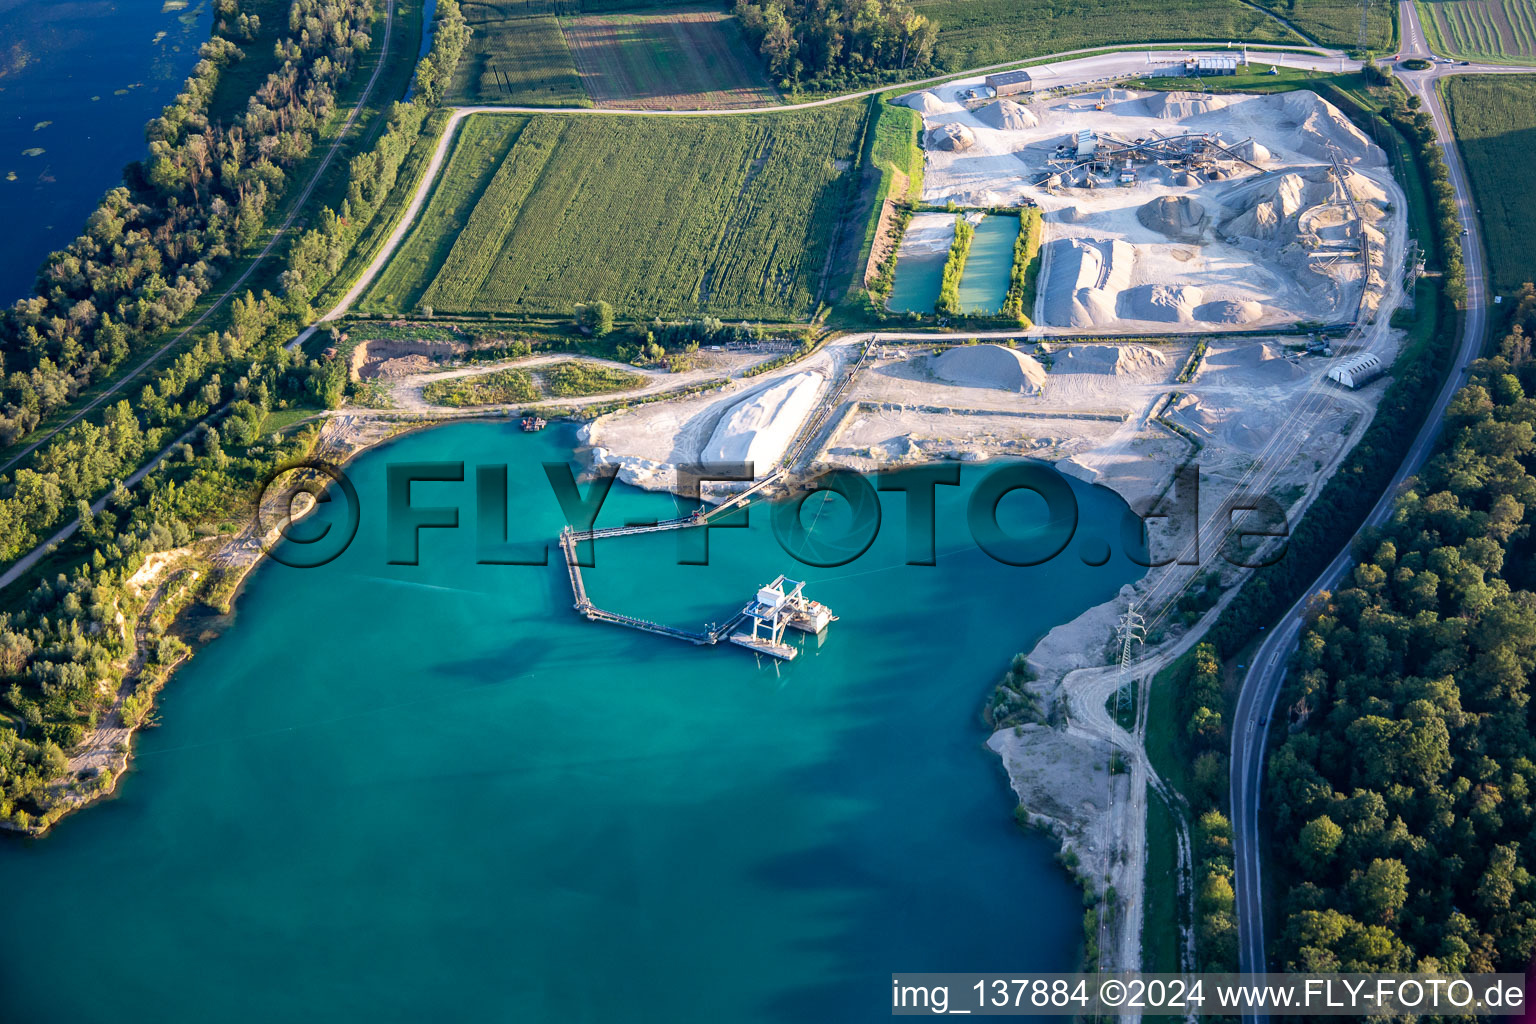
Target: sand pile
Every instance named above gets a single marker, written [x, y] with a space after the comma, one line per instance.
[991, 366]
[1113, 359]
[759, 427]
[925, 102]
[949, 137]
[1252, 151]
[1084, 280]
[1007, 115]
[1271, 211]
[1249, 364]
[1228, 311]
[1176, 106]
[1163, 303]
[1319, 123]
[1366, 191]
[1178, 217]
[1121, 100]
[1194, 417]
[1188, 179]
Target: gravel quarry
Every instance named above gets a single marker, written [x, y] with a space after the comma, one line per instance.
[1268, 234]
[1259, 231]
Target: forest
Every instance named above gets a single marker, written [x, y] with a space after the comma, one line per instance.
[806, 42]
[158, 242]
[65, 647]
[1402, 794]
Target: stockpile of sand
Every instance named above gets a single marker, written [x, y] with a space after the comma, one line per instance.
[1194, 417]
[1270, 211]
[759, 427]
[1007, 115]
[1178, 217]
[1368, 193]
[1251, 151]
[1084, 280]
[1162, 303]
[1228, 311]
[1112, 359]
[949, 137]
[1252, 363]
[924, 102]
[991, 366]
[1319, 123]
[1176, 106]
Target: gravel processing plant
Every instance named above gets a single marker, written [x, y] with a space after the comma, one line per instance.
[1172, 211]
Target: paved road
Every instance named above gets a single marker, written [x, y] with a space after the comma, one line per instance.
[1266, 672]
[282, 232]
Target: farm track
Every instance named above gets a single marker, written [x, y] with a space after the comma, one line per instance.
[1099, 62]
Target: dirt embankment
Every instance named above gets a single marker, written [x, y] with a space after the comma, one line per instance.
[395, 358]
[887, 237]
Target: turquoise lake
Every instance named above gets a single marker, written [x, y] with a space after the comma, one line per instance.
[915, 288]
[95, 71]
[988, 266]
[433, 792]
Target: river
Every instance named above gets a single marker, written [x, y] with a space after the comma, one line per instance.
[402, 793]
[78, 81]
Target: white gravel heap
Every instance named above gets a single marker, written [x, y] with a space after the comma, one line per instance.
[1161, 303]
[1006, 115]
[991, 366]
[1176, 106]
[1177, 217]
[1112, 359]
[925, 102]
[759, 427]
[950, 137]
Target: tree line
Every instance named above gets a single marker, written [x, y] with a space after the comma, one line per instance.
[836, 42]
[1403, 793]
[64, 647]
[948, 302]
[157, 243]
[316, 256]
[1202, 741]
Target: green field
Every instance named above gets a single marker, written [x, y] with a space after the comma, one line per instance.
[1337, 22]
[516, 55]
[498, 388]
[1493, 30]
[730, 216]
[571, 378]
[975, 33]
[1495, 123]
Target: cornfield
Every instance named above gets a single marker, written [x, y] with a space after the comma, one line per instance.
[727, 216]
